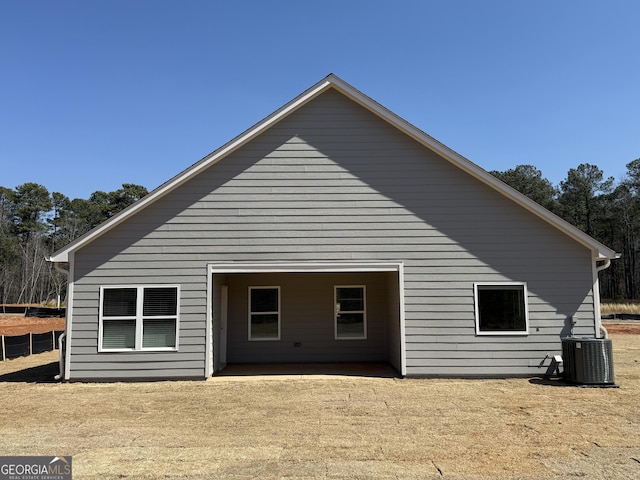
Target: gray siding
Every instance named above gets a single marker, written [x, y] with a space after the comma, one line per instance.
[307, 319]
[393, 314]
[332, 182]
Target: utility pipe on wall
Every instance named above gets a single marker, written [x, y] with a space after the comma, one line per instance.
[601, 328]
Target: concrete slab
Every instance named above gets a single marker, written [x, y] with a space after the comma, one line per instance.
[301, 370]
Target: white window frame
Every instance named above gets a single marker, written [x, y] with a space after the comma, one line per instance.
[139, 319]
[363, 311]
[251, 313]
[507, 285]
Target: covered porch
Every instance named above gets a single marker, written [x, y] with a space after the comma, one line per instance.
[305, 317]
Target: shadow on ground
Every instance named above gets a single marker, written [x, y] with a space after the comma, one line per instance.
[550, 382]
[40, 374]
[558, 382]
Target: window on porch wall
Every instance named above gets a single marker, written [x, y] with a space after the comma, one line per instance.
[264, 313]
[350, 318]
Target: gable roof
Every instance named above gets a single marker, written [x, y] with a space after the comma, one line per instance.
[599, 251]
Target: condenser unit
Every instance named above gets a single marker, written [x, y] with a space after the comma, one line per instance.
[588, 361]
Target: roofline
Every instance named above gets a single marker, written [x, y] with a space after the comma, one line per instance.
[184, 176]
[599, 250]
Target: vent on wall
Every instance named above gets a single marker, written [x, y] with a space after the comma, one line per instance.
[588, 361]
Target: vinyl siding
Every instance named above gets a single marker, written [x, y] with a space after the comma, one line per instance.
[333, 182]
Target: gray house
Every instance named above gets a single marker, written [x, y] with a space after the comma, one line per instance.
[331, 231]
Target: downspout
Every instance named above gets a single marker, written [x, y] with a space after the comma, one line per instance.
[58, 267]
[599, 327]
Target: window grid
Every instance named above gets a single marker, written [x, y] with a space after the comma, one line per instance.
[151, 316]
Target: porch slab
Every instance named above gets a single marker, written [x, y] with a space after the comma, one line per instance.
[301, 370]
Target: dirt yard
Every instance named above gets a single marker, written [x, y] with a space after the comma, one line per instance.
[12, 325]
[319, 428]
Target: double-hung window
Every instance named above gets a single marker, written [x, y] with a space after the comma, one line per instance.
[501, 309]
[264, 313]
[139, 318]
[350, 314]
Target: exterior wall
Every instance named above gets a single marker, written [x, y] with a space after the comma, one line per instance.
[393, 314]
[332, 182]
[307, 318]
[87, 363]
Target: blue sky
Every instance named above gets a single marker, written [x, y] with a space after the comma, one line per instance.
[94, 94]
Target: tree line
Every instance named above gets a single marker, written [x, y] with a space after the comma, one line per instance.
[607, 210]
[34, 223]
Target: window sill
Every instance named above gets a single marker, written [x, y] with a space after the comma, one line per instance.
[133, 350]
[502, 334]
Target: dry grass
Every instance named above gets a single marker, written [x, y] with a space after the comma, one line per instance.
[620, 307]
[339, 428]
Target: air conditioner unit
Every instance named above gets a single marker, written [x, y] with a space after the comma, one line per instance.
[588, 361]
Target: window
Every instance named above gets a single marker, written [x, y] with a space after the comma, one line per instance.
[501, 309]
[350, 319]
[138, 318]
[264, 313]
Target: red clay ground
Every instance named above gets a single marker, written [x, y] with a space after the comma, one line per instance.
[13, 325]
[629, 328]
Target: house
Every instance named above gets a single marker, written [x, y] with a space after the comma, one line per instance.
[331, 231]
